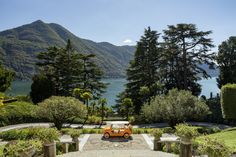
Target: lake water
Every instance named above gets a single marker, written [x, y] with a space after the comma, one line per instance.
[114, 88]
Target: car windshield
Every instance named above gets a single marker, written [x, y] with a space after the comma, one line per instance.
[117, 126]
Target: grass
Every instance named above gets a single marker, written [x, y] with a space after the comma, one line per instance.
[1, 150]
[228, 136]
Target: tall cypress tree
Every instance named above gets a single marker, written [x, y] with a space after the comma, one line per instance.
[187, 49]
[142, 72]
[226, 60]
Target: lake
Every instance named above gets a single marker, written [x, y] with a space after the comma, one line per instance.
[115, 87]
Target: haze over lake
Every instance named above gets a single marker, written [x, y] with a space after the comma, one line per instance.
[115, 87]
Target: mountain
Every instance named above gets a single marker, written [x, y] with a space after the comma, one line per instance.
[20, 46]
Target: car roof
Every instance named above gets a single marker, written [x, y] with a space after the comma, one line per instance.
[118, 122]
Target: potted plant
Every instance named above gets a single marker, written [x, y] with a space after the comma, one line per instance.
[75, 137]
[186, 132]
[23, 148]
[157, 133]
[48, 136]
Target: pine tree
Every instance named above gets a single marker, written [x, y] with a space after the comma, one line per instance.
[186, 49]
[143, 70]
[62, 67]
[41, 88]
[226, 60]
[48, 65]
[91, 76]
[68, 69]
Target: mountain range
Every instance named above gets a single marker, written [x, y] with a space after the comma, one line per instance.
[20, 46]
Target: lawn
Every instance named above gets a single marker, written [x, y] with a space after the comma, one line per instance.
[228, 136]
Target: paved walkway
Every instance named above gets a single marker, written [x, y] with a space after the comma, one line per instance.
[26, 125]
[97, 142]
[119, 153]
[96, 146]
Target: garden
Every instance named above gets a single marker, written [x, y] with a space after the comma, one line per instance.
[160, 89]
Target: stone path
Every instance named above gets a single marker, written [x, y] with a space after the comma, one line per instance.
[119, 153]
[26, 125]
[97, 142]
[137, 146]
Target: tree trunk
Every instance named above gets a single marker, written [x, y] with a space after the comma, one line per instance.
[58, 124]
[102, 115]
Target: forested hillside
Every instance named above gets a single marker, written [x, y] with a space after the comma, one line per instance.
[19, 47]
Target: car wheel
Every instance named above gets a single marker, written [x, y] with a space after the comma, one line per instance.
[106, 135]
[126, 135]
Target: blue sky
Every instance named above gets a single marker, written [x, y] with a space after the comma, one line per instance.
[122, 21]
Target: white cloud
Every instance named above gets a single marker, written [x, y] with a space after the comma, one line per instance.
[127, 41]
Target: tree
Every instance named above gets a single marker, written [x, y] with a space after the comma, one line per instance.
[69, 68]
[102, 102]
[62, 67]
[143, 69]
[215, 109]
[127, 105]
[228, 100]
[226, 60]
[59, 109]
[185, 49]
[41, 88]
[86, 96]
[6, 77]
[91, 76]
[175, 107]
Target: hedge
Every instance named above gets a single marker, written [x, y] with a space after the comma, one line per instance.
[228, 101]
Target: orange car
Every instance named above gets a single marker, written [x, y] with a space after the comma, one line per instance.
[118, 129]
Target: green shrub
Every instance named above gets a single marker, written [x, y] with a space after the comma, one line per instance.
[71, 132]
[65, 130]
[14, 135]
[14, 149]
[131, 119]
[174, 148]
[19, 112]
[43, 134]
[186, 131]
[94, 120]
[142, 131]
[176, 107]
[47, 135]
[168, 130]
[214, 148]
[59, 109]
[228, 101]
[208, 130]
[157, 133]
